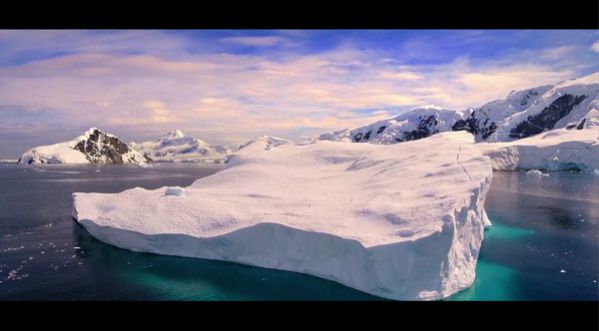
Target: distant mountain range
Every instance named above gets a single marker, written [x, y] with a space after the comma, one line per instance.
[174, 146]
[98, 147]
[572, 105]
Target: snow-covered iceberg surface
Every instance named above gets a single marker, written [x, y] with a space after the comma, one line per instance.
[401, 221]
[555, 150]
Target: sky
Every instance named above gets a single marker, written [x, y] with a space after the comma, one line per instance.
[227, 87]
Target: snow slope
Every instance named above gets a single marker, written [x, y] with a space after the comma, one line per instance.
[174, 146]
[573, 103]
[94, 146]
[344, 212]
[559, 149]
[415, 124]
[261, 143]
[52, 154]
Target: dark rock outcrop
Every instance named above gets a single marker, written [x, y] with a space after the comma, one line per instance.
[426, 128]
[99, 147]
[548, 117]
[474, 126]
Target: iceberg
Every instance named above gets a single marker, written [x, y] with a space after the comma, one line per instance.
[536, 172]
[555, 150]
[402, 221]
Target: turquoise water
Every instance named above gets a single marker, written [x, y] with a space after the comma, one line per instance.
[542, 226]
[495, 281]
[544, 243]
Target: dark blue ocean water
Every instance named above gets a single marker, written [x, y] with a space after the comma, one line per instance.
[544, 244]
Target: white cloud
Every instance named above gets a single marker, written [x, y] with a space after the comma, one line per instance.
[557, 53]
[17, 44]
[595, 46]
[265, 41]
[157, 113]
[402, 75]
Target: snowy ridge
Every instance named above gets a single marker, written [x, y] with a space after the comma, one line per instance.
[262, 143]
[174, 146]
[416, 124]
[94, 146]
[344, 212]
[573, 104]
[53, 154]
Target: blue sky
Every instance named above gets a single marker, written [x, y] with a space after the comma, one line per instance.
[230, 86]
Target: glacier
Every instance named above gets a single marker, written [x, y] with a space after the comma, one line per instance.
[401, 221]
[555, 150]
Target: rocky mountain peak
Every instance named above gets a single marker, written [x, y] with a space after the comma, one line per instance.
[174, 134]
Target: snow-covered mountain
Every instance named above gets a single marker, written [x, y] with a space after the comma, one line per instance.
[94, 146]
[262, 142]
[573, 103]
[569, 104]
[415, 124]
[174, 146]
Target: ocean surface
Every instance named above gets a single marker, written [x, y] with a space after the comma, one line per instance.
[544, 244]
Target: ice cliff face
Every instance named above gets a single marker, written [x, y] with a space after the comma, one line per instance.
[572, 104]
[557, 150]
[94, 146]
[344, 212]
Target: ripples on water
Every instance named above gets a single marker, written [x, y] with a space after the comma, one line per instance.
[544, 244]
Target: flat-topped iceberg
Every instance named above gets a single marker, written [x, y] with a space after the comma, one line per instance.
[555, 150]
[400, 221]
